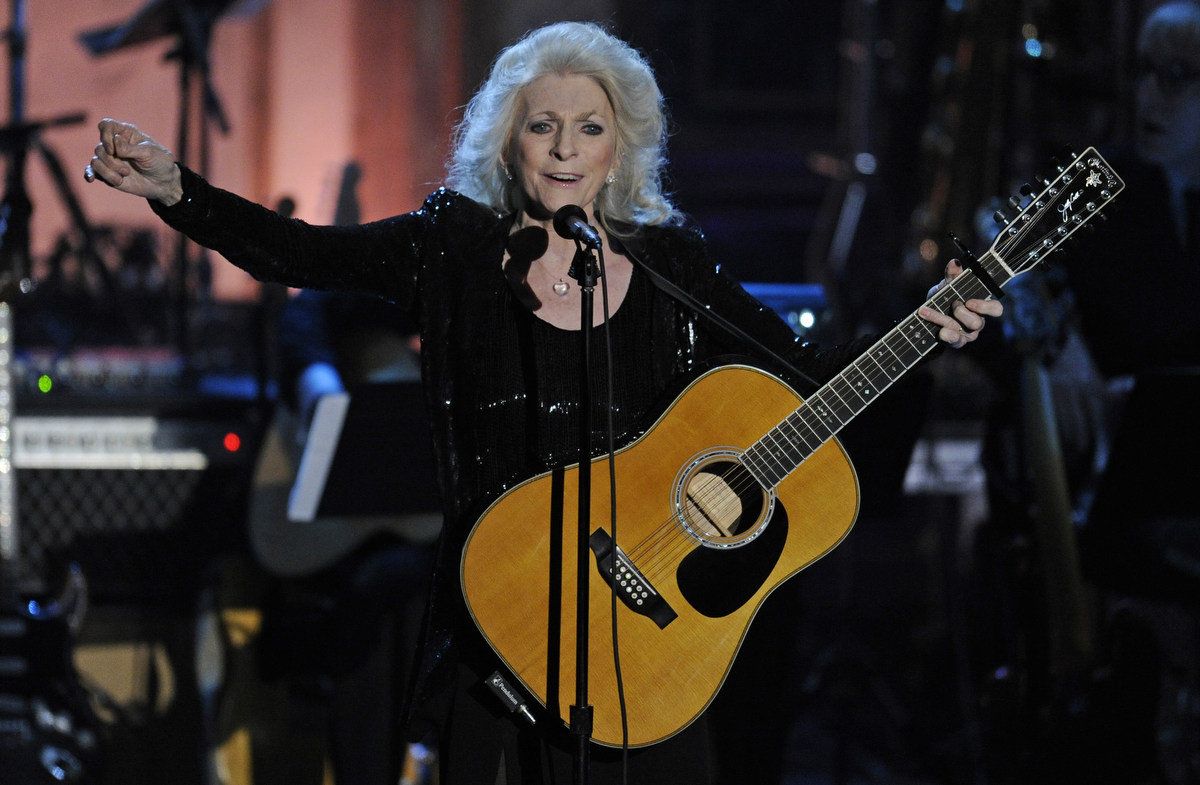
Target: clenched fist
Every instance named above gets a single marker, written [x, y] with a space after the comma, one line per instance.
[131, 161]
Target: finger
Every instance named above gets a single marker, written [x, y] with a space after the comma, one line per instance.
[986, 307]
[116, 164]
[969, 320]
[108, 127]
[955, 338]
[103, 172]
[953, 268]
[949, 330]
[119, 139]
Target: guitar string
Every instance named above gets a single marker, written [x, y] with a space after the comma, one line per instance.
[943, 300]
[672, 552]
[940, 300]
[685, 542]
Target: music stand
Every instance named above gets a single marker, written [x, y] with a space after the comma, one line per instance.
[369, 453]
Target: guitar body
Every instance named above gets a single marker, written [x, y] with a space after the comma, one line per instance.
[704, 544]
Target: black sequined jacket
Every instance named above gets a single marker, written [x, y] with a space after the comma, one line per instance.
[443, 263]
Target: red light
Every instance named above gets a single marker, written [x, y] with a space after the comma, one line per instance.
[232, 442]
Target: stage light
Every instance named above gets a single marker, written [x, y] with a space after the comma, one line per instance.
[232, 442]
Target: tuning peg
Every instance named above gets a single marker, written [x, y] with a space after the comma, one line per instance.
[1015, 202]
[1026, 189]
[1000, 218]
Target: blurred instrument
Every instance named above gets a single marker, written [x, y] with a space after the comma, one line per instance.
[366, 470]
[739, 485]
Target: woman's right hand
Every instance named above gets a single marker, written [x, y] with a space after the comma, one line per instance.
[132, 162]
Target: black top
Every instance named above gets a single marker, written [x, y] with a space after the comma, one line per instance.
[488, 391]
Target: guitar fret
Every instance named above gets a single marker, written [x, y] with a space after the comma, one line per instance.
[840, 405]
[755, 468]
[863, 387]
[792, 451]
[779, 454]
[920, 333]
[886, 359]
[822, 414]
[874, 372]
[904, 349]
[843, 406]
[812, 421]
[793, 421]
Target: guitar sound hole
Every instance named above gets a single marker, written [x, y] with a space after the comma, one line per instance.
[722, 503]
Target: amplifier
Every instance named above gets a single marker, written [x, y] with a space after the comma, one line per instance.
[142, 501]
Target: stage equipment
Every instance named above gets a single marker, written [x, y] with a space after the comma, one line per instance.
[191, 22]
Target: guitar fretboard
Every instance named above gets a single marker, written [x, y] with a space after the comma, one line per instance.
[846, 395]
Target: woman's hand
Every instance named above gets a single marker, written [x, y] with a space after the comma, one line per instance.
[130, 161]
[963, 326]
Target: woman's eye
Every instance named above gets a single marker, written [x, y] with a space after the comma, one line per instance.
[540, 127]
[593, 129]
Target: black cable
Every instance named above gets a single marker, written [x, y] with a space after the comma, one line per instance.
[705, 312]
[610, 432]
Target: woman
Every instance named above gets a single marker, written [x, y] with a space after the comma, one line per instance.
[570, 115]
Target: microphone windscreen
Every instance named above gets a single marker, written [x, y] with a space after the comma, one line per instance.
[565, 214]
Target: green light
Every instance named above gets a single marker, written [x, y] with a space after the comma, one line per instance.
[45, 383]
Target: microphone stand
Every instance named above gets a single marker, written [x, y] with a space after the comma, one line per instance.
[584, 270]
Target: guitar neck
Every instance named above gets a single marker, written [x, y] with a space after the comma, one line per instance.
[850, 392]
[1082, 188]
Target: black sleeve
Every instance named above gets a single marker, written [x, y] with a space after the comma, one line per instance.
[723, 294]
[381, 258]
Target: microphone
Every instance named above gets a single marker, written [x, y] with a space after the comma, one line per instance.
[571, 222]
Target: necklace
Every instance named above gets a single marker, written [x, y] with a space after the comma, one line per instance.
[560, 287]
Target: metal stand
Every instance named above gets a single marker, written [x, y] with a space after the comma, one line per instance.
[584, 270]
[192, 21]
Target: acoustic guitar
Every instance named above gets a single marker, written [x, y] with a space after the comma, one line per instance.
[738, 485]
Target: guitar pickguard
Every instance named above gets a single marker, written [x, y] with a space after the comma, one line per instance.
[717, 582]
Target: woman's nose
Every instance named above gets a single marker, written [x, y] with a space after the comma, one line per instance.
[564, 146]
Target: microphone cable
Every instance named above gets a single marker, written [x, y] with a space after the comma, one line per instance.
[610, 434]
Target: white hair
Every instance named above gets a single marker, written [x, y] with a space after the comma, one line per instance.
[484, 136]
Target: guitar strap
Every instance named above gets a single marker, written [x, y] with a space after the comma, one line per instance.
[700, 309]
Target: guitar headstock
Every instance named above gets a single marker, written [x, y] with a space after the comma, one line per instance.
[1083, 187]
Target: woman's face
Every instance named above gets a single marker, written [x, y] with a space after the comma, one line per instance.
[564, 144]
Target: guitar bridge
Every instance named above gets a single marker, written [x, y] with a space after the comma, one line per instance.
[633, 588]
